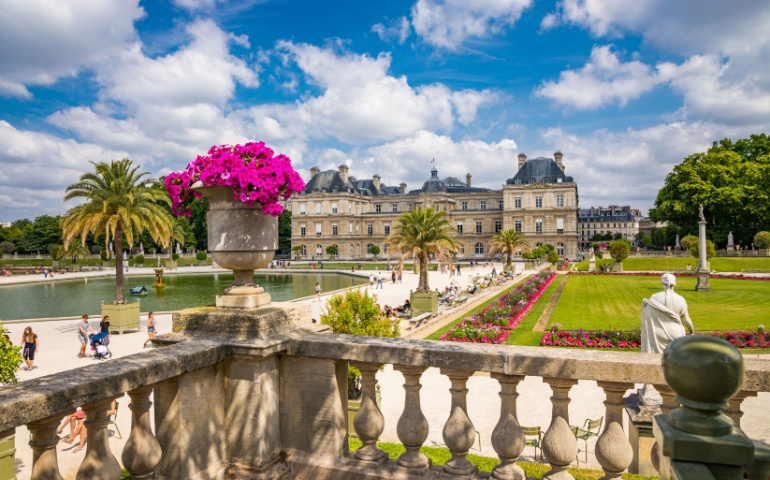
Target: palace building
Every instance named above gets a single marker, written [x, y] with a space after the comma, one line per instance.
[337, 209]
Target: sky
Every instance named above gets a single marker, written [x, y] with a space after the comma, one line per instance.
[625, 89]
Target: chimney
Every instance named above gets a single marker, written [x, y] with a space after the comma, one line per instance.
[376, 179]
[314, 171]
[403, 187]
[344, 173]
[557, 157]
[468, 179]
[522, 160]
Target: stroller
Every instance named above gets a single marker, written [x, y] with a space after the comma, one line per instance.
[99, 343]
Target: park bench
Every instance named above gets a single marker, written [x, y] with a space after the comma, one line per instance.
[417, 321]
[459, 301]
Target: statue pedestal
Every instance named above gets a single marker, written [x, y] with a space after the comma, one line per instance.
[247, 297]
[703, 281]
[592, 265]
[242, 323]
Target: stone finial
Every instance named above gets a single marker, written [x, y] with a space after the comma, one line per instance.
[522, 160]
[468, 179]
[344, 172]
[314, 171]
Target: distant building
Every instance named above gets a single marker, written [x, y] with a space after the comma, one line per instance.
[337, 209]
[613, 219]
[5, 224]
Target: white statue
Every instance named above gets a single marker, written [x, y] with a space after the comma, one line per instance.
[664, 317]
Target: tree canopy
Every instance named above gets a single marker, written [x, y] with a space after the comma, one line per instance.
[508, 242]
[731, 180]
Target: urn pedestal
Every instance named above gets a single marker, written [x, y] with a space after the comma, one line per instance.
[242, 239]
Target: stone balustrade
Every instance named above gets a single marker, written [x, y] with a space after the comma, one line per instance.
[234, 407]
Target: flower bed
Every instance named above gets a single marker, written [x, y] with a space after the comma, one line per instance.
[494, 323]
[619, 339]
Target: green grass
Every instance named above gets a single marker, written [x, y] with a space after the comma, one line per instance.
[523, 334]
[605, 302]
[583, 266]
[720, 264]
[435, 335]
[439, 456]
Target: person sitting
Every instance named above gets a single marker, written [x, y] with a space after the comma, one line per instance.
[403, 307]
[388, 310]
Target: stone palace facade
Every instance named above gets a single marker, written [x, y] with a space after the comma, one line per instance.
[337, 209]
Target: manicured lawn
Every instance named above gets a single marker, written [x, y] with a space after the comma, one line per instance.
[597, 301]
[523, 334]
[439, 456]
[720, 264]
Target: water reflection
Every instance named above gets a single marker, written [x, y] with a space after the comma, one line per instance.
[74, 298]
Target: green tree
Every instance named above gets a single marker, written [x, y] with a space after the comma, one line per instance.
[57, 252]
[7, 247]
[732, 182]
[687, 242]
[762, 240]
[645, 239]
[331, 250]
[284, 232]
[297, 249]
[199, 223]
[508, 242]
[420, 234]
[374, 250]
[619, 249]
[553, 257]
[201, 256]
[10, 358]
[710, 249]
[120, 203]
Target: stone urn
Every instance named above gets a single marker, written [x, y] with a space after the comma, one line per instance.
[242, 239]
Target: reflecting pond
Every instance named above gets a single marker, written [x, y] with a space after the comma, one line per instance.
[65, 298]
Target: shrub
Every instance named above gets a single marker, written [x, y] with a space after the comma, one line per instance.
[57, 252]
[7, 247]
[175, 256]
[553, 257]
[710, 249]
[104, 255]
[10, 358]
[201, 256]
[96, 249]
[688, 241]
[762, 240]
[139, 259]
[619, 250]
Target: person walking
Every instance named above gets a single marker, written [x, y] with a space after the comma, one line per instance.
[104, 327]
[318, 291]
[379, 280]
[29, 346]
[84, 328]
[393, 277]
[151, 332]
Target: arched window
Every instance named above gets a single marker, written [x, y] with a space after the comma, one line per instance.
[538, 244]
[479, 248]
[304, 250]
[560, 249]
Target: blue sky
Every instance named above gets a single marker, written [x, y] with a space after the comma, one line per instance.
[625, 89]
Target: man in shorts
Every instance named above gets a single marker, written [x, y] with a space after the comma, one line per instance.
[84, 328]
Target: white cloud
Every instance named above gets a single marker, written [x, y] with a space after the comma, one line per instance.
[398, 30]
[448, 23]
[360, 102]
[43, 41]
[604, 80]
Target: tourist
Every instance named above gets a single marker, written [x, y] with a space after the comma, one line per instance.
[29, 345]
[45, 273]
[79, 430]
[151, 332]
[318, 291]
[458, 269]
[371, 279]
[494, 271]
[393, 276]
[104, 327]
[84, 328]
[379, 280]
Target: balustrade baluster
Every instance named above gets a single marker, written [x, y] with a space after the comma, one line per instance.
[559, 443]
[459, 433]
[412, 427]
[142, 451]
[369, 422]
[507, 437]
[43, 440]
[99, 463]
[734, 405]
[613, 451]
[669, 403]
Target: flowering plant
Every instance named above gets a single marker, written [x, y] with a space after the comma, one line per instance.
[256, 175]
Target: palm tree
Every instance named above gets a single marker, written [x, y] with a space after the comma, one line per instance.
[507, 242]
[178, 234]
[120, 203]
[420, 234]
[76, 251]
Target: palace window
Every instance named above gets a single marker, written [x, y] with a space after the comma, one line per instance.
[387, 229]
[317, 229]
[559, 225]
[318, 250]
[394, 207]
[479, 248]
[560, 249]
[478, 227]
[500, 204]
[498, 225]
[369, 229]
[538, 201]
[378, 208]
[304, 250]
[464, 206]
[317, 208]
[459, 227]
[559, 200]
[301, 230]
[483, 205]
[517, 202]
[539, 225]
[301, 208]
[334, 208]
[517, 225]
[334, 229]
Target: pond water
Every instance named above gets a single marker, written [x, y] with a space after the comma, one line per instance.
[65, 298]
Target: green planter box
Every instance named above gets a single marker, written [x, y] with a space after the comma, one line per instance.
[171, 265]
[73, 268]
[7, 455]
[122, 317]
[423, 303]
[106, 264]
[55, 263]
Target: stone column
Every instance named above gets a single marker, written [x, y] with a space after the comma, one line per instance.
[142, 451]
[507, 437]
[459, 433]
[613, 452]
[43, 440]
[703, 271]
[734, 405]
[369, 422]
[99, 463]
[412, 427]
[559, 443]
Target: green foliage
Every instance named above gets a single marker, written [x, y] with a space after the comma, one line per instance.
[139, 260]
[374, 250]
[284, 232]
[96, 249]
[688, 241]
[619, 249]
[508, 242]
[56, 252]
[104, 255]
[7, 247]
[201, 255]
[332, 250]
[762, 240]
[10, 358]
[199, 223]
[175, 256]
[710, 249]
[645, 239]
[731, 180]
[553, 257]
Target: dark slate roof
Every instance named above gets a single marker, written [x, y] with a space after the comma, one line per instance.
[454, 182]
[328, 182]
[448, 185]
[584, 215]
[539, 169]
[366, 187]
[391, 190]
